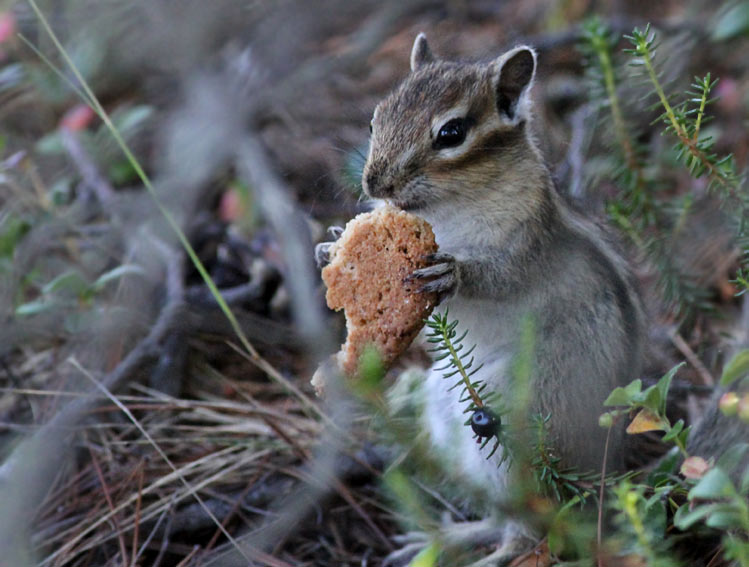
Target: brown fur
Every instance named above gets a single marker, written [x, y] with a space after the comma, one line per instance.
[493, 207]
[511, 251]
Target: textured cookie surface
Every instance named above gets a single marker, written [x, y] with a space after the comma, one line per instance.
[365, 278]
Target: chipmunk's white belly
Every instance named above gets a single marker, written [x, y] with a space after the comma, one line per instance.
[443, 413]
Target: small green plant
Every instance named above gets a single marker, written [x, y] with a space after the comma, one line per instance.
[485, 408]
[565, 484]
[653, 216]
[650, 405]
[641, 519]
[704, 493]
[72, 288]
[650, 216]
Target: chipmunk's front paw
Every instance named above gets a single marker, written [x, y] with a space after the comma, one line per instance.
[322, 250]
[412, 544]
[467, 540]
[441, 275]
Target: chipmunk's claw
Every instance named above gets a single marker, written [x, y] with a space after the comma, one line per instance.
[322, 254]
[322, 250]
[335, 231]
[442, 275]
[457, 535]
[412, 544]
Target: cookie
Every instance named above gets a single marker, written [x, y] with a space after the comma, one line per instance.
[366, 278]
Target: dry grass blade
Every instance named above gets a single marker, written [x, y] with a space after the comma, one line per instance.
[91, 98]
[190, 489]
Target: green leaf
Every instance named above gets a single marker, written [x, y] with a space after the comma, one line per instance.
[371, 372]
[733, 456]
[684, 435]
[736, 549]
[655, 515]
[736, 368]
[624, 396]
[12, 229]
[51, 144]
[724, 517]
[715, 484]
[664, 384]
[685, 518]
[121, 173]
[733, 22]
[401, 489]
[667, 466]
[674, 432]
[428, 556]
[35, 307]
[115, 274]
[652, 399]
[71, 281]
[128, 120]
[61, 190]
[560, 525]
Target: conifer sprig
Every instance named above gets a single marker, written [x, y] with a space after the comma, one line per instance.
[599, 53]
[564, 484]
[459, 366]
[698, 154]
[449, 347]
[648, 219]
[684, 121]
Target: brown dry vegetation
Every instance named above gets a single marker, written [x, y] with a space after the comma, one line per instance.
[136, 428]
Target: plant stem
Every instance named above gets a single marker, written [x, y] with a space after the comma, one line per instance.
[701, 111]
[630, 508]
[620, 127]
[599, 525]
[689, 143]
[463, 374]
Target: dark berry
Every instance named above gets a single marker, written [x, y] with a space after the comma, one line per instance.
[484, 423]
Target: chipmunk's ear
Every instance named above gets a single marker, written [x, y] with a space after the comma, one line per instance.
[512, 75]
[420, 53]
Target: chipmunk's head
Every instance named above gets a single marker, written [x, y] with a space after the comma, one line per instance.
[451, 130]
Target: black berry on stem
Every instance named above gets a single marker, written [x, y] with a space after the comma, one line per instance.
[484, 423]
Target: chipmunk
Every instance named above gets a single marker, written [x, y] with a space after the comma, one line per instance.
[452, 144]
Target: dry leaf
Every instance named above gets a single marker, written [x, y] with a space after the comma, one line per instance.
[644, 421]
[540, 556]
[694, 467]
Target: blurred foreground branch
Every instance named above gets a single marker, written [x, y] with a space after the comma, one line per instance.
[30, 470]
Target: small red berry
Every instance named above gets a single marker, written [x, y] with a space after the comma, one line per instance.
[77, 118]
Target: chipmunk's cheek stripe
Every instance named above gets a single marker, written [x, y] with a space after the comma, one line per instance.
[492, 142]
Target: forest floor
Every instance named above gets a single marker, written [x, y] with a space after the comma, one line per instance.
[137, 427]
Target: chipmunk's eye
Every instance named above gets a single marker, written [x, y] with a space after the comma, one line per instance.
[451, 134]
[370, 126]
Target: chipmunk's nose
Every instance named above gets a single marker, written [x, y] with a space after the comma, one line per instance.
[373, 186]
[377, 179]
